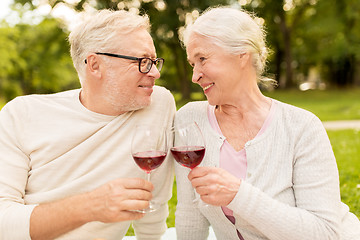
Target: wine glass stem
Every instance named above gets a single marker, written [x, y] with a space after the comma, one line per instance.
[151, 204]
[196, 199]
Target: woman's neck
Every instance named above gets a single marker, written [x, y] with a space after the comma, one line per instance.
[246, 103]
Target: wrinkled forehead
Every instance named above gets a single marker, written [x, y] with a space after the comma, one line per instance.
[139, 43]
[198, 45]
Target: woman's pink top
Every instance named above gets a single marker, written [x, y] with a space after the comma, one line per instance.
[231, 160]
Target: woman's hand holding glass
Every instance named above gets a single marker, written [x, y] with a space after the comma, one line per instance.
[215, 185]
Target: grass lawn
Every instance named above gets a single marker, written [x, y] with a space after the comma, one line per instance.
[346, 146]
[328, 105]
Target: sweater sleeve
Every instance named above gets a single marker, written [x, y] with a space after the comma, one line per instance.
[14, 170]
[316, 214]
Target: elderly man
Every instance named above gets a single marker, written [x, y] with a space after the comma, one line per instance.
[66, 166]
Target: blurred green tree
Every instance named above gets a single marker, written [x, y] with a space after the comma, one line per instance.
[281, 22]
[330, 39]
[8, 63]
[302, 34]
[35, 59]
[308, 34]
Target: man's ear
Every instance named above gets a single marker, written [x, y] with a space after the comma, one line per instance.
[93, 65]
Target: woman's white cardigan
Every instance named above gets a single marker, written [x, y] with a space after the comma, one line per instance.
[291, 190]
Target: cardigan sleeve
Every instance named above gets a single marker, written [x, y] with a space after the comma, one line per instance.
[14, 168]
[316, 214]
[190, 223]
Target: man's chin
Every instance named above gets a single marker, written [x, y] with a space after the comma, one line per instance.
[140, 106]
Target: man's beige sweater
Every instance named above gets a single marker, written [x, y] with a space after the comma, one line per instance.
[52, 147]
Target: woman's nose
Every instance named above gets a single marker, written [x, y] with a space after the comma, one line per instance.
[197, 75]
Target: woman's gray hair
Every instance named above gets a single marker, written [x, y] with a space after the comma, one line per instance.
[236, 31]
[99, 31]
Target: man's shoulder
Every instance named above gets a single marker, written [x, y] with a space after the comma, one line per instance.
[162, 92]
[58, 95]
[34, 101]
[162, 96]
[49, 96]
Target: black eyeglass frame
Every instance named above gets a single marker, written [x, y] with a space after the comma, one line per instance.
[156, 61]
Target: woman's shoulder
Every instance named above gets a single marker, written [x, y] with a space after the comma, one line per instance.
[196, 105]
[192, 110]
[295, 115]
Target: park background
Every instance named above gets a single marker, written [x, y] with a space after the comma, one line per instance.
[315, 59]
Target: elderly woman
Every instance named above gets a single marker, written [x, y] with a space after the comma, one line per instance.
[269, 171]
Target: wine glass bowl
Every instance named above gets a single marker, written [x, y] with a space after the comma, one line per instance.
[189, 145]
[149, 149]
[188, 156]
[149, 160]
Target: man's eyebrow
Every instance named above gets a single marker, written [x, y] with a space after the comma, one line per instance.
[149, 55]
[144, 55]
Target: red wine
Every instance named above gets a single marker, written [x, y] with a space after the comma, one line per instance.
[188, 156]
[149, 160]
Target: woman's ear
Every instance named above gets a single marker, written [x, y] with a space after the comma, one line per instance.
[244, 59]
[93, 65]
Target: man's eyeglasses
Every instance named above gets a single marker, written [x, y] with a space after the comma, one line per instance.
[145, 63]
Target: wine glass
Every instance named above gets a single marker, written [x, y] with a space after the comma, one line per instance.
[189, 146]
[149, 150]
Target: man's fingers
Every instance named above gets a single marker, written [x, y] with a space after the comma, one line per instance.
[139, 194]
[135, 204]
[136, 183]
[129, 215]
[132, 215]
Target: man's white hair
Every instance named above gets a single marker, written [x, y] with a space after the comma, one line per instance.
[97, 32]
